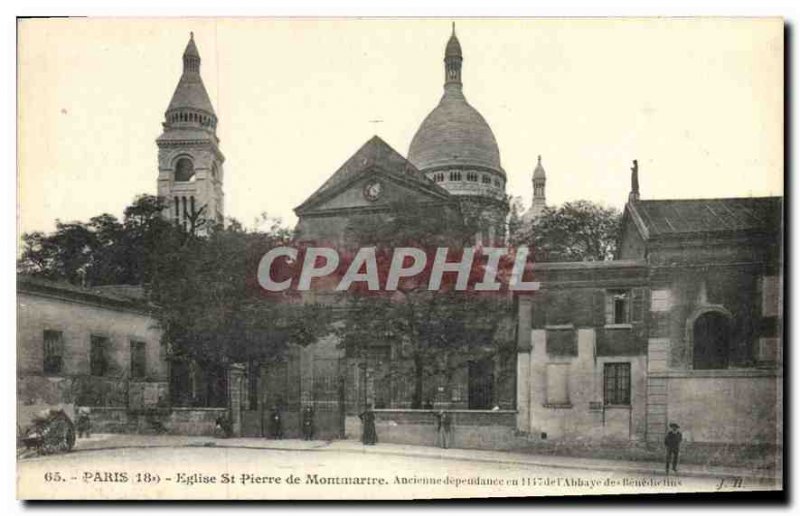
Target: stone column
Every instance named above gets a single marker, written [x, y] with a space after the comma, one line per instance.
[524, 322]
[236, 386]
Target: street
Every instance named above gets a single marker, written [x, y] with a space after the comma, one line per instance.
[245, 469]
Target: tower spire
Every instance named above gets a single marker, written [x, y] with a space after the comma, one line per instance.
[189, 158]
[191, 57]
[452, 63]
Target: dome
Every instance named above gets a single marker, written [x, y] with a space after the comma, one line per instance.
[454, 133]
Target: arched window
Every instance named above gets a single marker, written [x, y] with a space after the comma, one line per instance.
[184, 170]
[711, 341]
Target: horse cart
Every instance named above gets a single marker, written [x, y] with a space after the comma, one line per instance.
[45, 431]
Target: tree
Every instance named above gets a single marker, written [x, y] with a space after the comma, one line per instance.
[515, 211]
[102, 251]
[202, 285]
[576, 231]
[434, 332]
[211, 307]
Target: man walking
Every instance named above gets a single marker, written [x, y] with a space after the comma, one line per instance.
[672, 441]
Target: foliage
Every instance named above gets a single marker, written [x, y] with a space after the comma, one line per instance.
[102, 251]
[576, 231]
[212, 308]
[201, 279]
[436, 332]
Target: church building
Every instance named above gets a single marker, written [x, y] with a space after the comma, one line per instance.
[453, 161]
[685, 325]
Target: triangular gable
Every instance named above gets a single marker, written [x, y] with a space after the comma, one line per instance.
[375, 156]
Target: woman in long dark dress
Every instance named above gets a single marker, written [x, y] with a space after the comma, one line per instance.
[368, 435]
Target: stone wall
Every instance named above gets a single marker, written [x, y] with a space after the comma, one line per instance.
[178, 421]
[575, 409]
[484, 429]
[729, 406]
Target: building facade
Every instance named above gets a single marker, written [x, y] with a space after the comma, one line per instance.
[97, 348]
[685, 327]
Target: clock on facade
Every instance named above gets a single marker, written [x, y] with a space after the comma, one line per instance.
[372, 190]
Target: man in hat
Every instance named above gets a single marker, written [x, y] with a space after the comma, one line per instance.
[672, 441]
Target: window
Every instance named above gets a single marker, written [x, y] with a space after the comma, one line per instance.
[53, 351]
[98, 358]
[184, 170]
[617, 307]
[472, 176]
[138, 359]
[486, 179]
[455, 176]
[617, 383]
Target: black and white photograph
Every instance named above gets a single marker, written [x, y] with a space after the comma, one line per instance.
[340, 258]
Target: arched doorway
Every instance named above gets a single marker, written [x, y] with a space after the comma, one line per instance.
[711, 341]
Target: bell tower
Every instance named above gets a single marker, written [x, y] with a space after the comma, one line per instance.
[189, 159]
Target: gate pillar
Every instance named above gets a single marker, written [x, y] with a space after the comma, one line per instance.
[236, 391]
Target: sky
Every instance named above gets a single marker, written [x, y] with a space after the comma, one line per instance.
[699, 103]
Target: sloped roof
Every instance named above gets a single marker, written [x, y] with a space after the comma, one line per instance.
[690, 216]
[191, 94]
[374, 153]
[129, 297]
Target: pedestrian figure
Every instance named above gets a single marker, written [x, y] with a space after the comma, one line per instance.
[84, 423]
[223, 426]
[275, 427]
[672, 441]
[443, 429]
[308, 422]
[368, 435]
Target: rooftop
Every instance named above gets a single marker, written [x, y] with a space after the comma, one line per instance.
[688, 216]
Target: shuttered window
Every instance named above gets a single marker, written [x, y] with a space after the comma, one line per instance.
[53, 351]
[617, 383]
